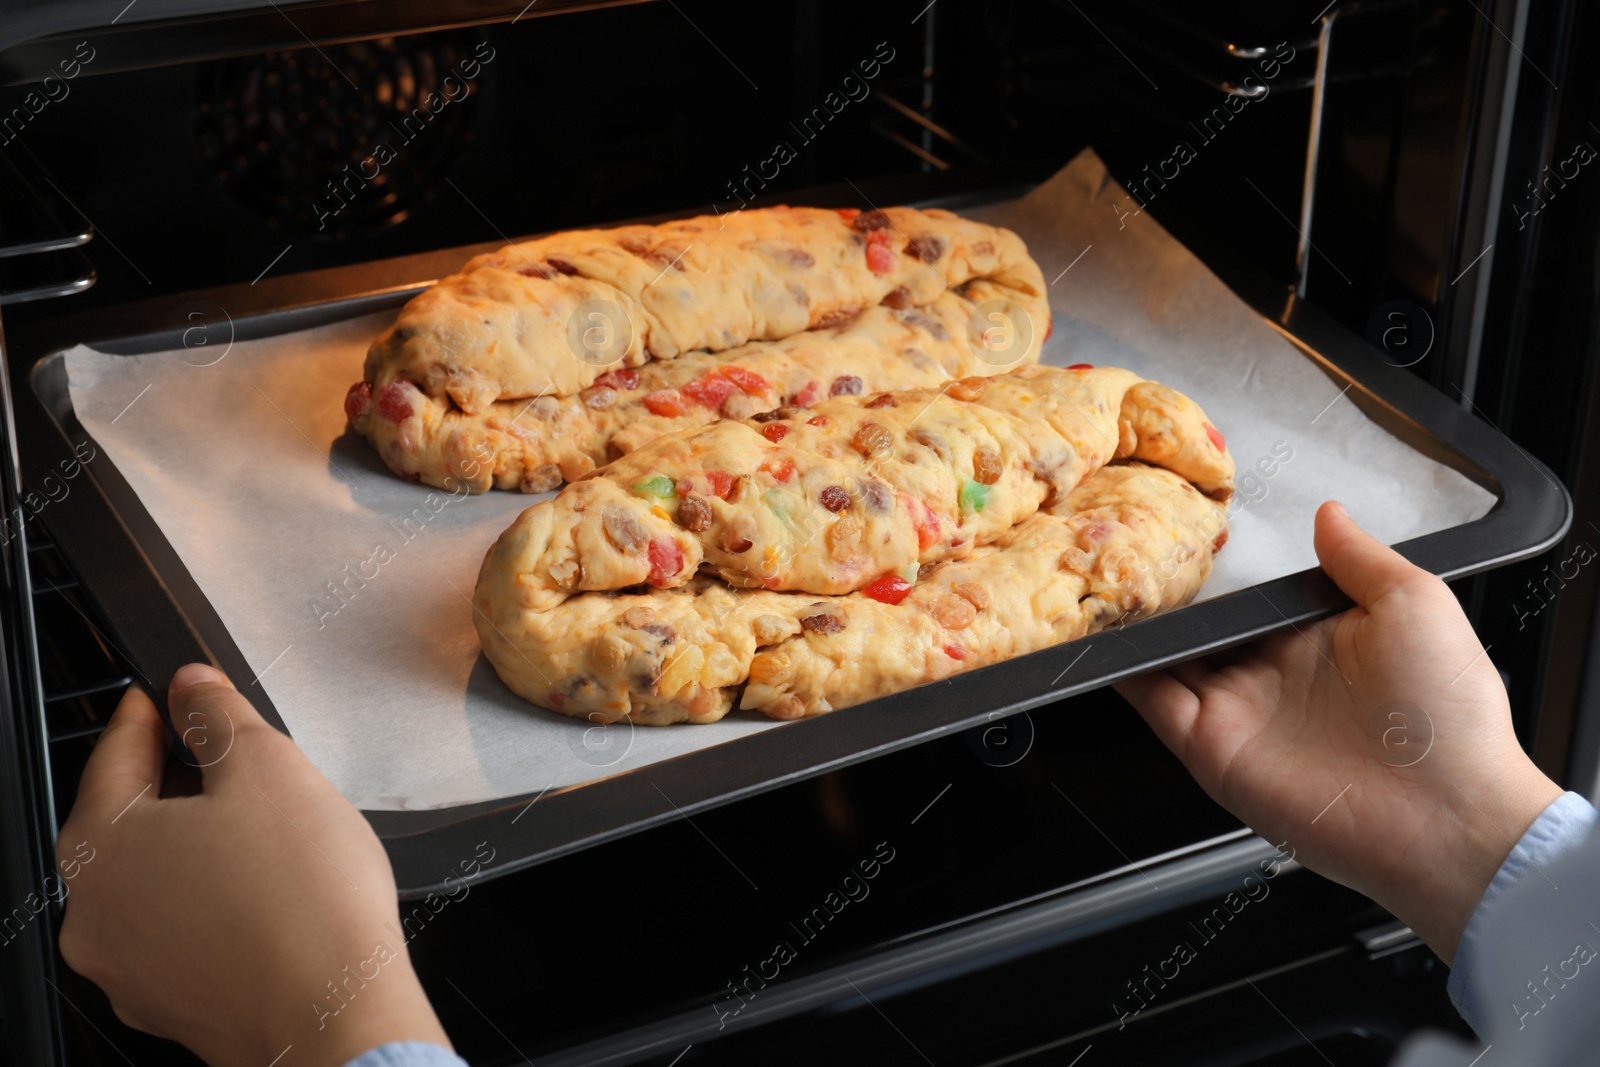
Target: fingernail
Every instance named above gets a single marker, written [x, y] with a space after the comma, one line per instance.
[194, 674]
[1340, 507]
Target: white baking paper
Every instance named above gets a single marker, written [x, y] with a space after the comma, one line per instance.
[245, 464]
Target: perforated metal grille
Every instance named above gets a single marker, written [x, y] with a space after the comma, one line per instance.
[341, 141]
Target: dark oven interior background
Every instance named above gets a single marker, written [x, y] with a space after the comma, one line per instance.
[201, 174]
[230, 169]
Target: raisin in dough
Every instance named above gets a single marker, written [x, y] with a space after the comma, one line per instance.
[499, 329]
[536, 444]
[832, 497]
[1129, 542]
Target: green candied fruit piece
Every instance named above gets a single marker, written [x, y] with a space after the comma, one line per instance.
[909, 572]
[974, 495]
[657, 485]
[778, 501]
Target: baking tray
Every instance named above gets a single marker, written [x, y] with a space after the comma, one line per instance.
[160, 618]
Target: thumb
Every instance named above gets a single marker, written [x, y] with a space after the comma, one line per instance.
[127, 760]
[1359, 564]
[209, 716]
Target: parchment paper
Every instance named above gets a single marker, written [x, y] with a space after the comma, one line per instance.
[245, 464]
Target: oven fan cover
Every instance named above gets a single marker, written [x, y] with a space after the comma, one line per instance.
[343, 141]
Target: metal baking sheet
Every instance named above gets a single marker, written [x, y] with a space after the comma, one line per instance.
[161, 618]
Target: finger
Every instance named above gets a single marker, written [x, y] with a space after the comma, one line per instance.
[1168, 705]
[1359, 564]
[128, 758]
[210, 715]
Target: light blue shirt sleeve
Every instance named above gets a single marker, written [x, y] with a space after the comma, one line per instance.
[1561, 828]
[408, 1054]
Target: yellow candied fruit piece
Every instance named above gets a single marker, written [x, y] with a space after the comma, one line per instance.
[684, 669]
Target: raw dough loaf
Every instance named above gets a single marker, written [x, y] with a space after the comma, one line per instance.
[832, 497]
[1130, 541]
[535, 444]
[511, 324]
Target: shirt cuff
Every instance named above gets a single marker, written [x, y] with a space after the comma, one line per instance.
[1561, 827]
[408, 1054]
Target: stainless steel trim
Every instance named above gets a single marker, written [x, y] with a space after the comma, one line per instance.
[1319, 95]
[47, 207]
[1483, 266]
[1389, 935]
[1248, 93]
[926, 123]
[927, 157]
[80, 277]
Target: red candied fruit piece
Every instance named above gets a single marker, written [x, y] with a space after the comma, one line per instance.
[775, 431]
[709, 391]
[392, 402]
[357, 399]
[781, 469]
[665, 402]
[807, 395]
[556, 699]
[1222, 539]
[880, 260]
[889, 589]
[1081, 366]
[1049, 328]
[772, 581]
[817, 420]
[619, 379]
[955, 651]
[721, 483]
[1216, 437]
[848, 213]
[927, 523]
[747, 380]
[666, 560]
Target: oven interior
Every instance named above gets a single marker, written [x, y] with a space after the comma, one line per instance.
[1357, 156]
